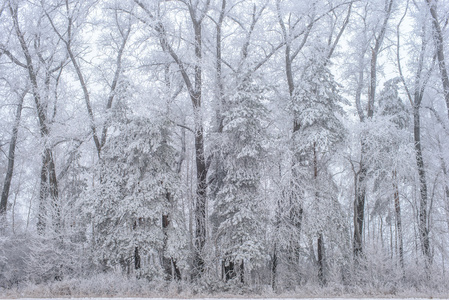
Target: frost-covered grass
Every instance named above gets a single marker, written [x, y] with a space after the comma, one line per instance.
[230, 298]
[106, 286]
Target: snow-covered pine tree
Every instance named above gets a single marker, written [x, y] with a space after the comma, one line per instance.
[135, 197]
[318, 108]
[239, 207]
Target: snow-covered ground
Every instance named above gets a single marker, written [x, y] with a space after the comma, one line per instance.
[261, 298]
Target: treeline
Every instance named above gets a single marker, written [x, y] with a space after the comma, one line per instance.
[226, 145]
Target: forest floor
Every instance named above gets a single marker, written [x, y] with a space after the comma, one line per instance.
[231, 298]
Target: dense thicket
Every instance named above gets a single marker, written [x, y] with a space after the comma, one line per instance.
[225, 145]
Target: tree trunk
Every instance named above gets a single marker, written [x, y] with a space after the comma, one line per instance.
[321, 259]
[136, 258]
[11, 157]
[320, 241]
[422, 226]
[359, 212]
[242, 271]
[274, 263]
[200, 205]
[229, 270]
[439, 41]
[48, 191]
[397, 208]
[169, 264]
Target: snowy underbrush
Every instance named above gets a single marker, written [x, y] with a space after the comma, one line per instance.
[101, 285]
[117, 285]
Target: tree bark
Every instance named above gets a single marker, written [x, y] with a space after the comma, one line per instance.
[439, 41]
[11, 157]
[169, 263]
[359, 211]
[423, 226]
[320, 240]
[48, 190]
[397, 209]
[274, 263]
[321, 259]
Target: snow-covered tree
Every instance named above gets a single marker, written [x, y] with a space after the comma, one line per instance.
[138, 186]
[318, 107]
[239, 208]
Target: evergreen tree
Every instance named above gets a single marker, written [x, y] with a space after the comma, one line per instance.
[239, 207]
[138, 186]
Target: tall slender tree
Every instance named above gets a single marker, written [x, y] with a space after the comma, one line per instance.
[11, 158]
[415, 94]
[378, 37]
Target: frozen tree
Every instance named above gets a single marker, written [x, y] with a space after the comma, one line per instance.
[239, 207]
[389, 150]
[195, 14]
[35, 50]
[137, 188]
[11, 160]
[319, 110]
[415, 88]
[153, 140]
[374, 35]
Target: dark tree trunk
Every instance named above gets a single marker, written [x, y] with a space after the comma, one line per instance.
[320, 241]
[43, 195]
[169, 264]
[242, 271]
[439, 41]
[397, 208]
[136, 258]
[11, 157]
[359, 212]
[274, 263]
[48, 194]
[423, 226]
[229, 270]
[201, 168]
[200, 205]
[321, 259]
